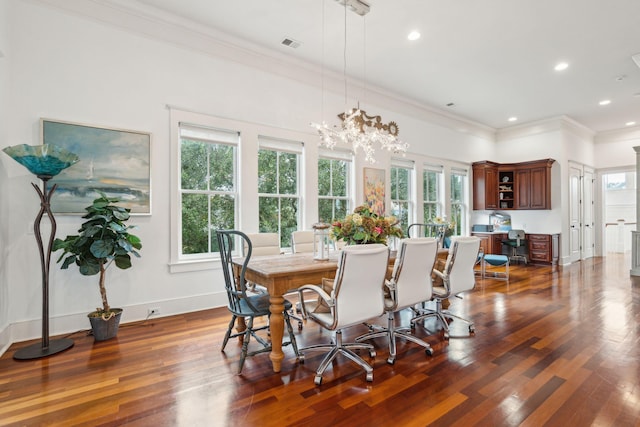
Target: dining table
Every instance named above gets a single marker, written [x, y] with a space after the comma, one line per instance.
[281, 274]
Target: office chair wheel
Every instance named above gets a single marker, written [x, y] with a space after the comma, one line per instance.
[372, 353]
[472, 330]
[370, 376]
[318, 379]
[299, 325]
[445, 335]
[391, 361]
[429, 351]
[301, 359]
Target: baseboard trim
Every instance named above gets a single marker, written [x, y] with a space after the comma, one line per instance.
[66, 324]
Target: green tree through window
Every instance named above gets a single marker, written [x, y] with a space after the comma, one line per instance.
[333, 189]
[278, 189]
[207, 187]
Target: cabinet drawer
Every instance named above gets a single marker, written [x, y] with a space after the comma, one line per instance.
[539, 256]
[539, 245]
[539, 237]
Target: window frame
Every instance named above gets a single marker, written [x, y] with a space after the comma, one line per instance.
[409, 166]
[341, 156]
[461, 204]
[281, 146]
[438, 171]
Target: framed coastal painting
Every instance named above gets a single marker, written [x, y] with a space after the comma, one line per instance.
[113, 161]
[374, 186]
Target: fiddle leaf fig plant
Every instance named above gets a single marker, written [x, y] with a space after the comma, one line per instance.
[104, 239]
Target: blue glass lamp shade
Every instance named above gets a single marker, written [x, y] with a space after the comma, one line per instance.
[42, 160]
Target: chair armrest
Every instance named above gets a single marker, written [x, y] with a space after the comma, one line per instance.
[440, 274]
[391, 285]
[317, 290]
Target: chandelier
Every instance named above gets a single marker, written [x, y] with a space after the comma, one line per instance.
[361, 131]
[358, 129]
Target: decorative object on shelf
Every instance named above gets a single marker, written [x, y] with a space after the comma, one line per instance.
[505, 179]
[115, 161]
[321, 241]
[44, 161]
[359, 129]
[364, 226]
[103, 240]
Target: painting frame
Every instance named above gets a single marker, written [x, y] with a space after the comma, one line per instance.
[374, 189]
[114, 161]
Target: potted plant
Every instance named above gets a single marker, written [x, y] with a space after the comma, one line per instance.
[103, 240]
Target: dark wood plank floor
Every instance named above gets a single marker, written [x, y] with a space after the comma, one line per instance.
[553, 347]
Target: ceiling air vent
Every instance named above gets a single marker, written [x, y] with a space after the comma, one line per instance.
[291, 43]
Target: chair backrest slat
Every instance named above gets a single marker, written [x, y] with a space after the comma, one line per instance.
[234, 285]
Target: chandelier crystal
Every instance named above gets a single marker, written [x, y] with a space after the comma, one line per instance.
[361, 131]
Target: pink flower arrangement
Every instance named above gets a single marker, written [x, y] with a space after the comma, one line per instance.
[364, 226]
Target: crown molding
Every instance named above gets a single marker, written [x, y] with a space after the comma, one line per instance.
[618, 135]
[142, 19]
[552, 124]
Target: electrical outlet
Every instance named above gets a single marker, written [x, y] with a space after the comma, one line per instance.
[153, 311]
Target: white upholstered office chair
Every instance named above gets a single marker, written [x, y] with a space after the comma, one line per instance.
[410, 284]
[264, 243]
[302, 241]
[458, 276]
[357, 296]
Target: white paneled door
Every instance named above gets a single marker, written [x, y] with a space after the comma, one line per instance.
[575, 225]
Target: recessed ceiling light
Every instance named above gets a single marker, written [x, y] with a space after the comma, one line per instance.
[561, 66]
[630, 123]
[414, 35]
[605, 102]
[512, 119]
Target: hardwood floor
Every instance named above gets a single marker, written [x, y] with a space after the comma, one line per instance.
[553, 347]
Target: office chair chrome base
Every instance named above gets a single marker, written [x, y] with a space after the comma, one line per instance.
[340, 348]
[442, 316]
[392, 333]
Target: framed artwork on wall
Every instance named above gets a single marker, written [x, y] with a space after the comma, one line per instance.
[374, 185]
[114, 161]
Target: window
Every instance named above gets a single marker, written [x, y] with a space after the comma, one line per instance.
[401, 172]
[278, 187]
[208, 189]
[334, 176]
[458, 191]
[431, 192]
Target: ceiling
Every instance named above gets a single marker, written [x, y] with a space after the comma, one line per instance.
[482, 60]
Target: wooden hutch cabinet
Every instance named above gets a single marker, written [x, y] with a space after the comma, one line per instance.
[524, 185]
[485, 185]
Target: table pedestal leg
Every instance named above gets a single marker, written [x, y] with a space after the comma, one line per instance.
[276, 326]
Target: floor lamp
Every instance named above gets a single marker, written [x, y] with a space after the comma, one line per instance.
[44, 161]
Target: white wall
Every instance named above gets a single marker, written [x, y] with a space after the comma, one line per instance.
[5, 339]
[68, 68]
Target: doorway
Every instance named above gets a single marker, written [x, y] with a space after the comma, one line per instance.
[619, 218]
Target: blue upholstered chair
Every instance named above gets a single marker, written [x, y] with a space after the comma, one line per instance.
[499, 266]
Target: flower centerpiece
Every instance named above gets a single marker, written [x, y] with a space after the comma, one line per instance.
[364, 226]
